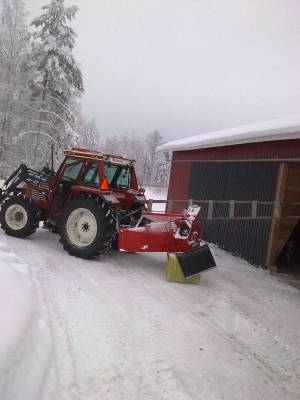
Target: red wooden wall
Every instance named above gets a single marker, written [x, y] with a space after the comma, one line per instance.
[182, 161]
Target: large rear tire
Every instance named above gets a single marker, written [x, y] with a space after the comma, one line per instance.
[19, 216]
[87, 227]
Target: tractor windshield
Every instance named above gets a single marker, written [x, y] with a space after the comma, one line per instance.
[118, 177]
[72, 170]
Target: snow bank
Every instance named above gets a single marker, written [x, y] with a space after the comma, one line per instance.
[17, 308]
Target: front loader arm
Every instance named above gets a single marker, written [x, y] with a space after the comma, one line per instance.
[22, 174]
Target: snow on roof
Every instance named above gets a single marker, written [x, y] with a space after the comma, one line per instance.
[276, 129]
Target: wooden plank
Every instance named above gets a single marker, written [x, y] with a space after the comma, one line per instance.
[290, 210]
[294, 180]
[291, 196]
[293, 189]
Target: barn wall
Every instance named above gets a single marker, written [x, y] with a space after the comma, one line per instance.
[243, 181]
[230, 178]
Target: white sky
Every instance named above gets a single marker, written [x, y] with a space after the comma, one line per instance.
[186, 66]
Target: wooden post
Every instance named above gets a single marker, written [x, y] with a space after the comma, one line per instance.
[170, 204]
[210, 212]
[254, 209]
[231, 209]
[150, 205]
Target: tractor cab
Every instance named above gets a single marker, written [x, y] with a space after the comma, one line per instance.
[85, 171]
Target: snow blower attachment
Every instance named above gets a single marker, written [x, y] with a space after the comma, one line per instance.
[170, 233]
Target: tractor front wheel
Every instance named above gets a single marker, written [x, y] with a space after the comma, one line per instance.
[87, 227]
[19, 216]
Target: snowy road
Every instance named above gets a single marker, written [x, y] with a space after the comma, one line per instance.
[115, 329]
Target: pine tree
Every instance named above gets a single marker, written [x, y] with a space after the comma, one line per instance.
[57, 77]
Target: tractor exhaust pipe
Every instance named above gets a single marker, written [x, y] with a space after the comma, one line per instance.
[52, 158]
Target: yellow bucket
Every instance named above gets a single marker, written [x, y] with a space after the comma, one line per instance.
[174, 272]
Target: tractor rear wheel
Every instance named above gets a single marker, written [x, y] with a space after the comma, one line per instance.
[87, 227]
[19, 217]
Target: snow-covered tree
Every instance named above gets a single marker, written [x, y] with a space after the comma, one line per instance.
[88, 135]
[153, 140]
[57, 78]
[13, 53]
[162, 169]
[152, 168]
[57, 73]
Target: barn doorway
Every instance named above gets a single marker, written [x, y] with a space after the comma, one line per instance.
[289, 258]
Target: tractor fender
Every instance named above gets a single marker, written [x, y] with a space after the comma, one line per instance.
[108, 197]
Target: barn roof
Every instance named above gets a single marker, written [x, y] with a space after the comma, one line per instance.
[276, 129]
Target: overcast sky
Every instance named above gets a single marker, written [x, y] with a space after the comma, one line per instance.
[186, 66]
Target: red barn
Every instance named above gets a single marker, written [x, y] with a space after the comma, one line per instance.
[259, 162]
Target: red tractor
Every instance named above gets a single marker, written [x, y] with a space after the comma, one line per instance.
[95, 203]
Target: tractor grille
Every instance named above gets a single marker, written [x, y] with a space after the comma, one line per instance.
[36, 195]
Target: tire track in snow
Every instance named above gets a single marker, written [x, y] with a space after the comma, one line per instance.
[158, 371]
[63, 366]
[137, 305]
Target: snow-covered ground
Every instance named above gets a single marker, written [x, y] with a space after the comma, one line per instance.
[114, 329]
[155, 193]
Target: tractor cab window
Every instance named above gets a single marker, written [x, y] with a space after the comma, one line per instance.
[72, 170]
[91, 178]
[118, 177]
